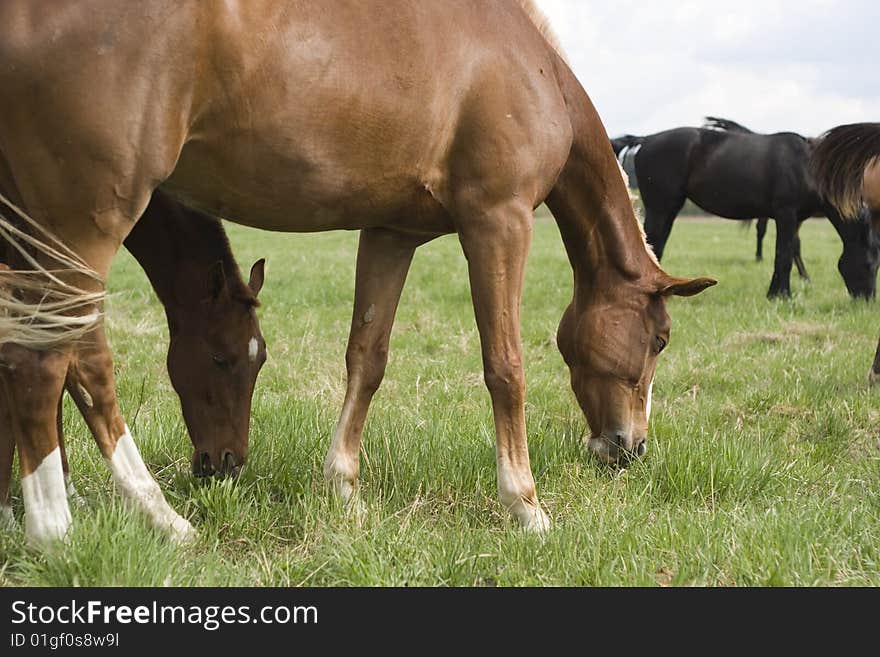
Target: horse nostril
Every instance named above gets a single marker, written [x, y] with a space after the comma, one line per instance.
[203, 466]
[227, 462]
[642, 448]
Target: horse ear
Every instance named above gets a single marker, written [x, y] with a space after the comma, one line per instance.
[684, 287]
[217, 280]
[258, 273]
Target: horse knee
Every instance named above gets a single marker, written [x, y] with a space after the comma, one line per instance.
[505, 380]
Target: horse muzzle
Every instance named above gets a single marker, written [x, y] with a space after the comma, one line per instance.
[619, 448]
[223, 463]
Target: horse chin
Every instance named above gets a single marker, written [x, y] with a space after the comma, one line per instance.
[601, 449]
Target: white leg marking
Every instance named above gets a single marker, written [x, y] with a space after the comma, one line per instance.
[46, 513]
[340, 469]
[7, 518]
[510, 491]
[135, 483]
[253, 347]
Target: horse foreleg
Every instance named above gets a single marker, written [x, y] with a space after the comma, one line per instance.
[786, 232]
[32, 382]
[658, 223]
[383, 262]
[496, 244]
[91, 385]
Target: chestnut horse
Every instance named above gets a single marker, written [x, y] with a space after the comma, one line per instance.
[846, 165]
[216, 346]
[403, 120]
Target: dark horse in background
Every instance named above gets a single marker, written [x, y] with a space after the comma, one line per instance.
[742, 175]
[713, 122]
[846, 167]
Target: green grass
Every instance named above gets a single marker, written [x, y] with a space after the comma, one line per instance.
[764, 466]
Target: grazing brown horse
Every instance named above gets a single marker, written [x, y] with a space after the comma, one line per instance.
[403, 120]
[846, 165]
[216, 346]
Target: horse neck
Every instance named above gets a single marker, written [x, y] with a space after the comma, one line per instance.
[591, 204]
[177, 249]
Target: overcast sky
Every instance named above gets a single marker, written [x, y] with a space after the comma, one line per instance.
[772, 65]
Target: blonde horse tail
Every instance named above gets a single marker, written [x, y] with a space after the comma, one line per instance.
[39, 307]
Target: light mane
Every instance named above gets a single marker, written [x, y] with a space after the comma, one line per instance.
[542, 22]
[632, 200]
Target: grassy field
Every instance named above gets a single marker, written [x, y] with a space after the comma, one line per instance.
[763, 468]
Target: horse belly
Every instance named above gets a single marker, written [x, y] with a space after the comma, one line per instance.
[289, 190]
[729, 195]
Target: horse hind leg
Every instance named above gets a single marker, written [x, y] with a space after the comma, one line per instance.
[799, 261]
[383, 262]
[786, 233]
[7, 455]
[761, 232]
[91, 384]
[32, 382]
[496, 244]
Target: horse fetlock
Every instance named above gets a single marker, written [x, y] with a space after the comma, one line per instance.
[341, 473]
[46, 511]
[530, 515]
[519, 497]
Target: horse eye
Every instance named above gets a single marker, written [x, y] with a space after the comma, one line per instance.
[220, 362]
[661, 344]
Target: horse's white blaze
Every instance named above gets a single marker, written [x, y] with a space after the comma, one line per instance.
[253, 346]
[648, 403]
[46, 512]
[135, 483]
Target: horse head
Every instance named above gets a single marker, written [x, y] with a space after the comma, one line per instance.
[610, 342]
[860, 259]
[216, 352]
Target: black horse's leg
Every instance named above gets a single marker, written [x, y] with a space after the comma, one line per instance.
[798, 261]
[658, 224]
[874, 376]
[762, 231]
[786, 232]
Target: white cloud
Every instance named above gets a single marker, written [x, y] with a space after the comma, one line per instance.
[800, 65]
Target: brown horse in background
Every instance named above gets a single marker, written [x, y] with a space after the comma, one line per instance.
[846, 165]
[403, 120]
[216, 347]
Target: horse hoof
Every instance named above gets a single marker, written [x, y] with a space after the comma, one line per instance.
[46, 533]
[181, 532]
[532, 518]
